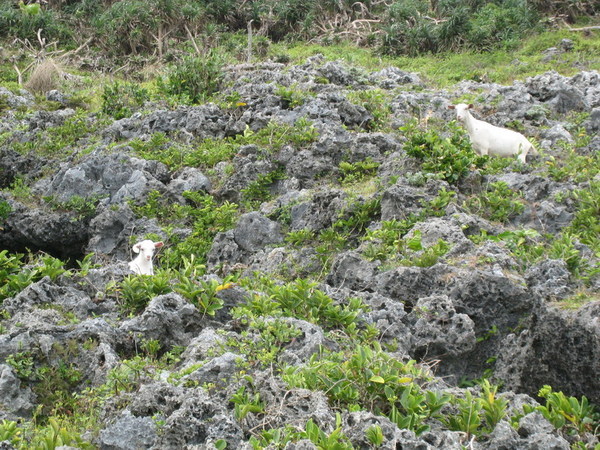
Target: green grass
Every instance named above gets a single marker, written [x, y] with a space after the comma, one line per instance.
[446, 69]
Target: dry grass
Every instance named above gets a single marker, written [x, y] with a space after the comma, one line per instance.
[44, 77]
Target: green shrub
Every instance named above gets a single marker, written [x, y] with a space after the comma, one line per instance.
[135, 291]
[358, 171]
[194, 79]
[367, 378]
[375, 101]
[450, 158]
[23, 365]
[10, 432]
[15, 275]
[335, 440]
[206, 219]
[202, 294]
[122, 100]
[586, 223]
[408, 28]
[291, 96]
[84, 207]
[5, 210]
[356, 216]
[24, 23]
[567, 413]
[245, 403]
[506, 24]
[140, 26]
[263, 339]
[298, 238]
[498, 203]
[386, 245]
[259, 191]
[302, 299]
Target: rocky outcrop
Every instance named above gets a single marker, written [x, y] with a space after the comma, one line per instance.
[470, 310]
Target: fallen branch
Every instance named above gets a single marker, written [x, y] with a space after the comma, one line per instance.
[19, 75]
[191, 36]
[595, 27]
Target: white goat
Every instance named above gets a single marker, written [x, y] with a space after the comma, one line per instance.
[488, 139]
[142, 264]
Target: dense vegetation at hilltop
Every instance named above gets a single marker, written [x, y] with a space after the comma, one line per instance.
[339, 266]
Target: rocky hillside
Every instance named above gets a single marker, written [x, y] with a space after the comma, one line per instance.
[340, 270]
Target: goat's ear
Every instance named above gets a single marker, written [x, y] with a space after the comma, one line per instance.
[470, 105]
[451, 107]
[136, 248]
[158, 244]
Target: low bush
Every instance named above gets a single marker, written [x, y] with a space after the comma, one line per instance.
[498, 203]
[24, 23]
[194, 79]
[450, 158]
[120, 100]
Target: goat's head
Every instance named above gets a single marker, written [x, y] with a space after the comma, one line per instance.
[147, 248]
[461, 111]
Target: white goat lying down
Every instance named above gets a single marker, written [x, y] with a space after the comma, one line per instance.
[142, 264]
[488, 139]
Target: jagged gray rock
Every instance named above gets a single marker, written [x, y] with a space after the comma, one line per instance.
[128, 432]
[475, 304]
[544, 351]
[17, 400]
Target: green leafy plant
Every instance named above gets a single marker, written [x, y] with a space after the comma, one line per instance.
[468, 418]
[86, 264]
[586, 223]
[136, 26]
[386, 244]
[450, 157]
[202, 294]
[368, 378]
[291, 96]
[335, 440]
[277, 438]
[301, 298]
[573, 166]
[194, 79]
[259, 191]
[499, 203]
[354, 218]
[151, 347]
[23, 22]
[56, 381]
[5, 210]
[354, 172]
[135, 291]
[82, 206]
[493, 407]
[121, 100]
[375, 435]
[9, 431]
[23, 364]
[246, 403]
[567, 413]
[299, 237]
[127, 376]
[263, 339]
[51, 267]
[54, 435]
[377, 102]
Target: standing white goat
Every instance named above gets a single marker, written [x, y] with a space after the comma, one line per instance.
[488, 139]
[142, 264]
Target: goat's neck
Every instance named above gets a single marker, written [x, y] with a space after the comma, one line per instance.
[470, 122]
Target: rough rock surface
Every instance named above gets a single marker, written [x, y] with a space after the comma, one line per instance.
[470, 311]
